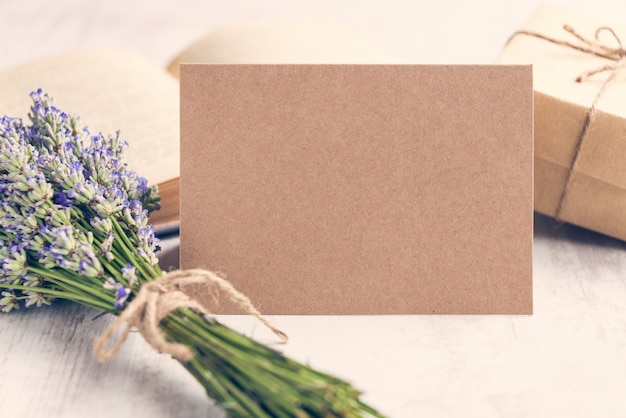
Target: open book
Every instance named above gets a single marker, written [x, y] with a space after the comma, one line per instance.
[118, 90]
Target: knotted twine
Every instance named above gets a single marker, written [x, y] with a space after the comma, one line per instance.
[593, 47]
[157, 299]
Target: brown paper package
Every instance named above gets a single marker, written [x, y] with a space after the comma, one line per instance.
[596, 197]
[360, 189]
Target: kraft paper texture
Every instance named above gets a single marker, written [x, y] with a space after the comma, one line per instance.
[596, 198]
[360, 189]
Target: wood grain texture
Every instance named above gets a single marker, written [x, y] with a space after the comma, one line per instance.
[566, 360]
[49, 352]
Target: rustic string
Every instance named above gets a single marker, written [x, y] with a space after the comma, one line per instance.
[593, 47]
[157, 299]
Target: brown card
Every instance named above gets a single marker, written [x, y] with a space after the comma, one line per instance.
[360, 189]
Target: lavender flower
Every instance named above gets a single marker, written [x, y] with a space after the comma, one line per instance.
[121, 293]
[129, 272]
[68, 203]
[74, 225]
[8, 301]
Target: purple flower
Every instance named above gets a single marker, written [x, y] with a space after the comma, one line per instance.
[62, 200]
[65, 196]
[129, 272]
[121, 294]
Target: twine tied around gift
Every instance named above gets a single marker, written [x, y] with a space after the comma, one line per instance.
[157, 299]
[594, 46]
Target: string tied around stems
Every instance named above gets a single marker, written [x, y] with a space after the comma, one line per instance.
[157, 299]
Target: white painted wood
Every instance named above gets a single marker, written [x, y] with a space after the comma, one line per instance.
[567, 360]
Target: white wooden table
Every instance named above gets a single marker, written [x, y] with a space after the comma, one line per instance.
[566, 360]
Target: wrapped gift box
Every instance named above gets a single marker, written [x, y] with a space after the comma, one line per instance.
[595, 191]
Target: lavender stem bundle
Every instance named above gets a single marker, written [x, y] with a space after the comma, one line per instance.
[74, 225]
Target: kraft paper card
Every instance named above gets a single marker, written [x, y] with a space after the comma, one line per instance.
[360, 189]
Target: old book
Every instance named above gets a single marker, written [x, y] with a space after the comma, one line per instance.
[120, 90]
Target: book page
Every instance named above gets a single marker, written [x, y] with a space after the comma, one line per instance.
[110, 90]
[305, 42]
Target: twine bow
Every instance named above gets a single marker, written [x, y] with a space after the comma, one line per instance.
[159, 298]
[594, 46]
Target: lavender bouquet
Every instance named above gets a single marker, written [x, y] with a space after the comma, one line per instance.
[74, 225]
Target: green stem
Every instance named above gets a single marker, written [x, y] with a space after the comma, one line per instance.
[244, 377]
[83, 289]
[72, 281]
[249, 379]
[61, 294]
[126, 247]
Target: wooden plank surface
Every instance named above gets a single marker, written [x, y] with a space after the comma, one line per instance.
[568, 359]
